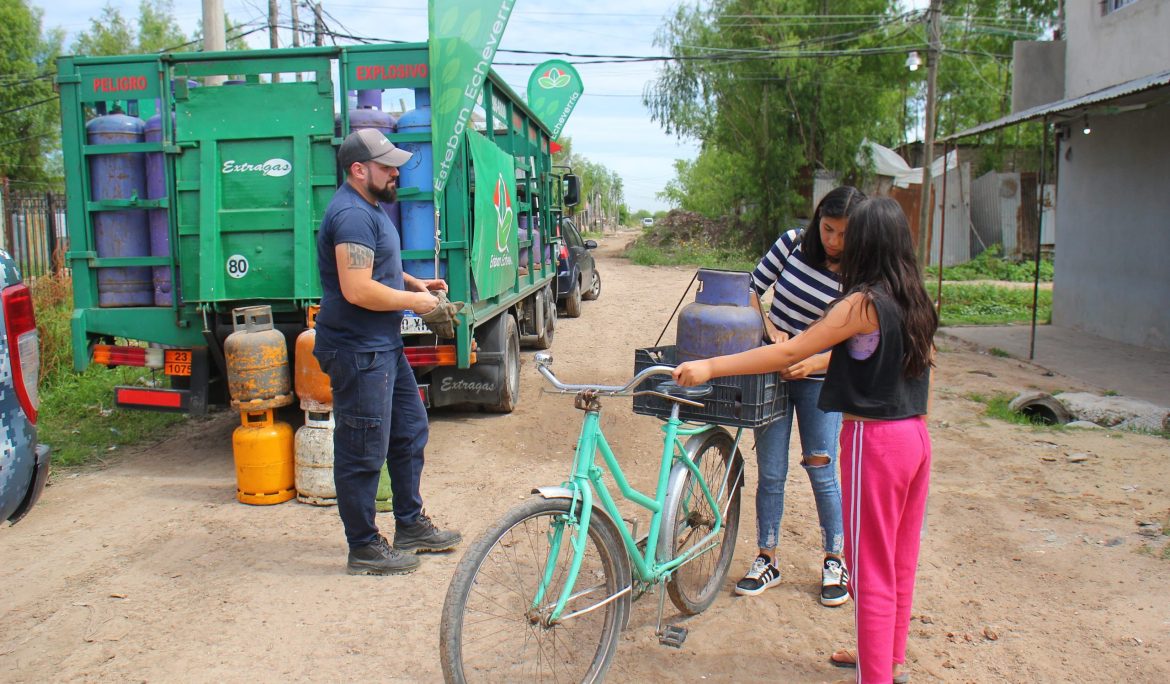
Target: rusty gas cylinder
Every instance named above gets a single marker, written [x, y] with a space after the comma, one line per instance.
[312, 384]
[257, 361]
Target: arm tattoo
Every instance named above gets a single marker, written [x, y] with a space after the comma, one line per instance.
[360, 256]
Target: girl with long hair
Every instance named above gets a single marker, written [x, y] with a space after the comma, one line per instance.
[801, 269]
[881, 334]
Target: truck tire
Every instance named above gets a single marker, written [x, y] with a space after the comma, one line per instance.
[510, 392]
[573, 301]
[545, 339]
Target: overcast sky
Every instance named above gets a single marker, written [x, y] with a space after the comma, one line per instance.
[609, 125]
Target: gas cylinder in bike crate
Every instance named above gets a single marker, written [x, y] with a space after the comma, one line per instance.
[314, 460]
[257, 361]
[748, 401]
[721, 320]
[311, 383]
[263, 451]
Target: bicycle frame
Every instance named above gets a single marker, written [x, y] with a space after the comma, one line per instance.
[586, 479]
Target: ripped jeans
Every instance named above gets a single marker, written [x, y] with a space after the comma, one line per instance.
[819, 433]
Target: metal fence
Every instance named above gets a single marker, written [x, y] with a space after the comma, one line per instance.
[34, 231]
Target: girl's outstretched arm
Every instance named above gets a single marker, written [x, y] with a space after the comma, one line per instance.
[853, 315]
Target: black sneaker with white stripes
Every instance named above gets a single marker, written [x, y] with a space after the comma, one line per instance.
[834, 582]
[759, 577]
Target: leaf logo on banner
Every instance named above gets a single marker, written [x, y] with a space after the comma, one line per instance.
[503, 203]
[554, 78]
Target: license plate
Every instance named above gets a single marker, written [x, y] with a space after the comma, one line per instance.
[413, 325]
[177, 362]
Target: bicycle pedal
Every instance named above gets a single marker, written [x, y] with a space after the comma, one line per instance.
[673, 635]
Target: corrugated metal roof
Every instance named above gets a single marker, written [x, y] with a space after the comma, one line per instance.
[1111, 93]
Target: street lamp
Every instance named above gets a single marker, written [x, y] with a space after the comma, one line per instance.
[912, 61]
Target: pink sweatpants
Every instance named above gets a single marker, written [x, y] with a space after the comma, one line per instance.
[885, 474]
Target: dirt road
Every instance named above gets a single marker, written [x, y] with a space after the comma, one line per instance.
[1032, 568]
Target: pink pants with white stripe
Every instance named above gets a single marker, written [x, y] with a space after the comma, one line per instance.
[885, 475]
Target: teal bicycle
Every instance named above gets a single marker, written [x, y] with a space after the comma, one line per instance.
[545, 592]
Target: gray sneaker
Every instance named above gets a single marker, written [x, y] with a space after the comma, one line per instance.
[423, 536]
[378, 558]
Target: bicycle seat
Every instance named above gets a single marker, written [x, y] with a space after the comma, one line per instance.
[674, 389]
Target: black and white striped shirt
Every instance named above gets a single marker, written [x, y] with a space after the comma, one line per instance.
[801, 291]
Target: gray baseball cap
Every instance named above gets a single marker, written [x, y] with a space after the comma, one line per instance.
[370, 145]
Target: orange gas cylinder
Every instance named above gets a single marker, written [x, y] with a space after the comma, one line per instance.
[257, 361]
[263, 450]
[312, 384]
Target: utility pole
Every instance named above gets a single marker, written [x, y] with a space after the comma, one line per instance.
[296, 31]
[318, 26]
[214, 39]
[273, 38]
[932, 58]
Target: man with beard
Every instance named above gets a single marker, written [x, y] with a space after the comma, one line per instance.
[379, 416]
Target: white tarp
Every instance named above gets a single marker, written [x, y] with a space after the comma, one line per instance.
[889, 163]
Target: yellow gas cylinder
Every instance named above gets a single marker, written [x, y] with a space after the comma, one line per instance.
[314, 459]
[257, 361]
[263, 450]
[312, 384]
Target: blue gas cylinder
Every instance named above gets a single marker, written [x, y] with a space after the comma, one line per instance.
[123, 233]
[160, 231]
[418, 218]
[721, 320]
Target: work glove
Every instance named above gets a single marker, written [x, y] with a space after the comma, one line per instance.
[442, 319]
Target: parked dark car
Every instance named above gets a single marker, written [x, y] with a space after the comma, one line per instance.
[24, 464]
[577, 276]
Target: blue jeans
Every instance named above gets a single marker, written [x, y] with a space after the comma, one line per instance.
[379, 418]
[819, 432]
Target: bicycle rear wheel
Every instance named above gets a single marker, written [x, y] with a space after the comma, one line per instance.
[490, 631]
[689, 519]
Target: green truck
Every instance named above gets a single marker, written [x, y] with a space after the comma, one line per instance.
[197, 182]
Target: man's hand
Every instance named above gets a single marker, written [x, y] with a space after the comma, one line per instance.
[419, 285]
[775, 334]
[692, 373]
[424, 302]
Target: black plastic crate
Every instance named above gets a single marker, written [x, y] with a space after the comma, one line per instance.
[738, 400]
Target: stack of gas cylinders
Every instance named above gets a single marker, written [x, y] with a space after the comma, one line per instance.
[314, 440]
[258, 382]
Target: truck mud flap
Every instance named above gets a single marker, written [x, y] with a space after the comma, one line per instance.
[483, 383]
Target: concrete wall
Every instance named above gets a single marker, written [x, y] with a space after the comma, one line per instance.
[1113, 262]
[1105, 50]
[1037, 73]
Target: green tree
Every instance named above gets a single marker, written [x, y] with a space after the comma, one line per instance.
[154, 31]
[28, 108]
[602, 190]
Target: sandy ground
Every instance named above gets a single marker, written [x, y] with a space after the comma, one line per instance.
[1032, 567]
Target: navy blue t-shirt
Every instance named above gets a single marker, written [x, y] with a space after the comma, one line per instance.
[341, 325]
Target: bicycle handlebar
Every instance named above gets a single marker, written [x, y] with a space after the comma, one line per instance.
[544, 361]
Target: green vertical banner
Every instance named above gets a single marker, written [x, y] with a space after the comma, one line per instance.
[464, 36]
[494, 248]
[553, 91]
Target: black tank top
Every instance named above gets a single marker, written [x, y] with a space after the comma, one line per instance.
[876, 387]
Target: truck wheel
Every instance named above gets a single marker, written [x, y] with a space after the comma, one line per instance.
[573, 301]
[510, 394]
[545, 339]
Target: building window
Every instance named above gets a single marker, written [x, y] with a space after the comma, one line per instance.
[1110, 6]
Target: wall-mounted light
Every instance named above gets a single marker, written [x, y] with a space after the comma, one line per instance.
[912, 61]
[1086, 129]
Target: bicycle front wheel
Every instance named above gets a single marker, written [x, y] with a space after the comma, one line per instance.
[690, 518]
[492, 632]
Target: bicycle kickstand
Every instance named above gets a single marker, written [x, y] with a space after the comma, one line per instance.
[668, 635]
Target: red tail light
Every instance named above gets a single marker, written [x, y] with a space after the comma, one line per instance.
[24, 346]
[564, 252]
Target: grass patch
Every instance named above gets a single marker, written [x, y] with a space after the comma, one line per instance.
[989, 305]
[996, 406]
[990, 265]
[78, 419]
[691, 255]
[996, 351]
[76, 415]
